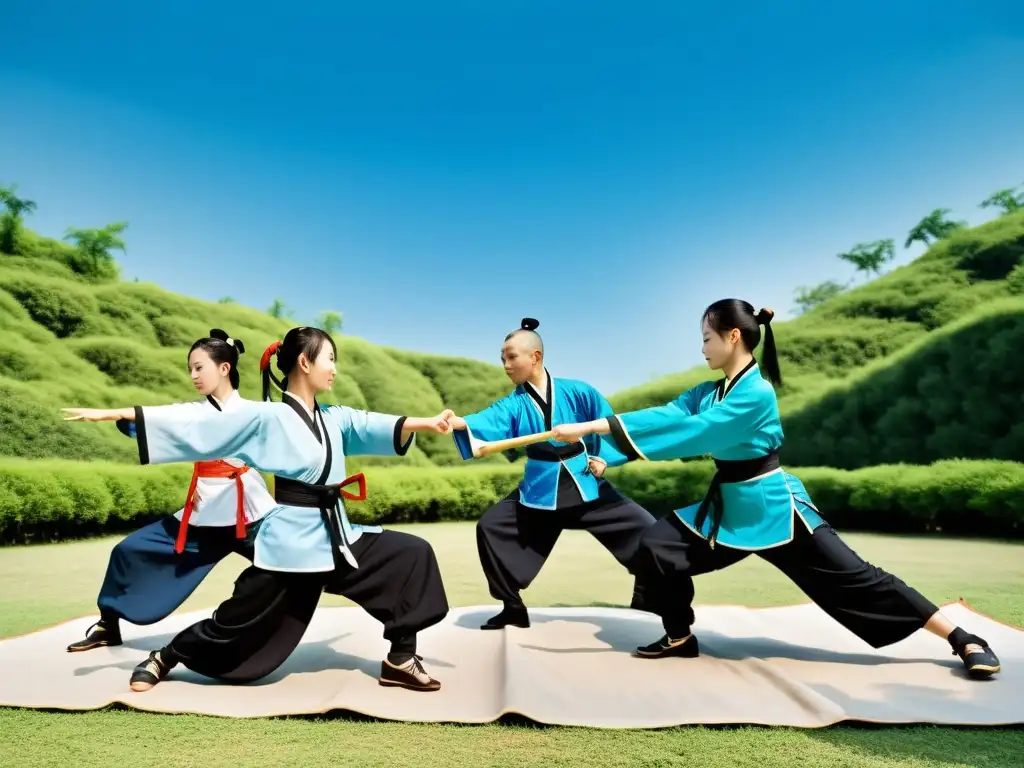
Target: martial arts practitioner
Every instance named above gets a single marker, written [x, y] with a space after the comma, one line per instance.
[753, 505]
[306, 543]
[154, 570]
[562, 486]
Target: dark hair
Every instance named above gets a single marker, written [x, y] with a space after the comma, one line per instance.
[305, 340]
[529, 325]
[727, 314]
[222, 349]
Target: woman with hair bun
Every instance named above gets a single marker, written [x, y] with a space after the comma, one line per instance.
[754, 506]
[154, 570]
[306, 543]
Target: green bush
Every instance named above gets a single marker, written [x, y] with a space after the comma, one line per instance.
[49, 500]
[58, 305]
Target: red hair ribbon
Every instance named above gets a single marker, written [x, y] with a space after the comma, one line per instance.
[267, 354]
[357, 478]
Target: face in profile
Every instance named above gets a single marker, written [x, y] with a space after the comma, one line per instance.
[206, 374]
[323, 369]
[717, 347]
[519, 359]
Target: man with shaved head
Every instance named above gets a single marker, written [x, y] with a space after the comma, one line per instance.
[562, 486]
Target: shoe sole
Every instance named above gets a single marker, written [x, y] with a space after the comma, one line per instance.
[101, 644]
[408, 687]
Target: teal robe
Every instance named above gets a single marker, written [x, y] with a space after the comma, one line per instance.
[525, 411]
[737, 423]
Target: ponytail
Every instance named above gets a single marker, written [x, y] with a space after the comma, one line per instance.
[266, 374]
[769, 358]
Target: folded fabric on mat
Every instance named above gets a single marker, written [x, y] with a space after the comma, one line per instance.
[790, 666]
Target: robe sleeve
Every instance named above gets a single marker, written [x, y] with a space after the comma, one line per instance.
[671, 432]
[598, 407]
[369, 433]
[496, 422]
[171, 433]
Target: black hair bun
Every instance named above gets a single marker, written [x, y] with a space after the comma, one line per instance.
[764, 316]
[530, 324]
[217, 333]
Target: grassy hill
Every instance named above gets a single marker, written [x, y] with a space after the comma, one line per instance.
[917, 365]
[67, 340]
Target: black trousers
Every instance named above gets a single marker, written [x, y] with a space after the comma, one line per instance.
[873, 604]
[254, 631]
[514, 541]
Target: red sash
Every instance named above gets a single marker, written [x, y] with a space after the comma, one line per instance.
[209, 469]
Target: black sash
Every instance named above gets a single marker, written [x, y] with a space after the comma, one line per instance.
[326, 498]
[730, 472]
[549, 452]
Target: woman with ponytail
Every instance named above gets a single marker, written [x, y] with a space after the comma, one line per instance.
[306, 543]
[753, 505]
[154, 570]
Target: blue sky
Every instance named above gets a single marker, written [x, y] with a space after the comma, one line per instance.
[438, 171]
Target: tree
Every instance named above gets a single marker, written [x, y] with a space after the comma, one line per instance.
[92, 249]
[809, 298]
[935, 226]
[1006, 199]
[278, 309]
[10, 221]
[329, 321]
[225, 300]
[869, 257]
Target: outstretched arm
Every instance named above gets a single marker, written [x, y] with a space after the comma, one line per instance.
[382, 434]
[670, 432]
[496, 422]
[183, 432]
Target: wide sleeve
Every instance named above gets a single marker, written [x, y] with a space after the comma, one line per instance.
[670, 432]
[496, 422]
[598, 407]
[171, 433]
[369, 433]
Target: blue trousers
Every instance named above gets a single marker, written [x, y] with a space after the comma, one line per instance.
[147, 580]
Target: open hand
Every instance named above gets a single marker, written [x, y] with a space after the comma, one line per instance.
[89, 414]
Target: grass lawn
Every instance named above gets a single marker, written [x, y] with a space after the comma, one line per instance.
[41, 586]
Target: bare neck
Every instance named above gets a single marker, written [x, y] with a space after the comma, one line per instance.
[539, 379]
[303, 392]
[223, 392]
[737, 364]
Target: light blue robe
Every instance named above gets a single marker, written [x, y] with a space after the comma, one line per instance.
[739, 424]
[277, 438]
[526, 411]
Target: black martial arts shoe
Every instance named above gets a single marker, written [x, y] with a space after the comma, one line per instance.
[99, 634]
[686, 647]
[510, 616]
[409, 674]
[980, 661]
[151, 671]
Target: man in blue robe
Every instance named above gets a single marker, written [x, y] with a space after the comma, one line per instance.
[562, 486]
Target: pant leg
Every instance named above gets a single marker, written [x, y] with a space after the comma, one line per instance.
[618, 523]
[513, 543]
[146, 580]
[255, 630]
[873, 604]
[398, 582]
[669, 556]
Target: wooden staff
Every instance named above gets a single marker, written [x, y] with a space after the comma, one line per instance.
[497, 446]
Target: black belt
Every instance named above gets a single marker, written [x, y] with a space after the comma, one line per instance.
[730, 472]
[326, 498]
[549, 452]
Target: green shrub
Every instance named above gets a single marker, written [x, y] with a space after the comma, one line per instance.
[49, 500]
[58, 305]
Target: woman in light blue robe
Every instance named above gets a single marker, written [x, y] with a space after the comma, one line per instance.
[306, 543]
[562, 486]
[753, 505]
